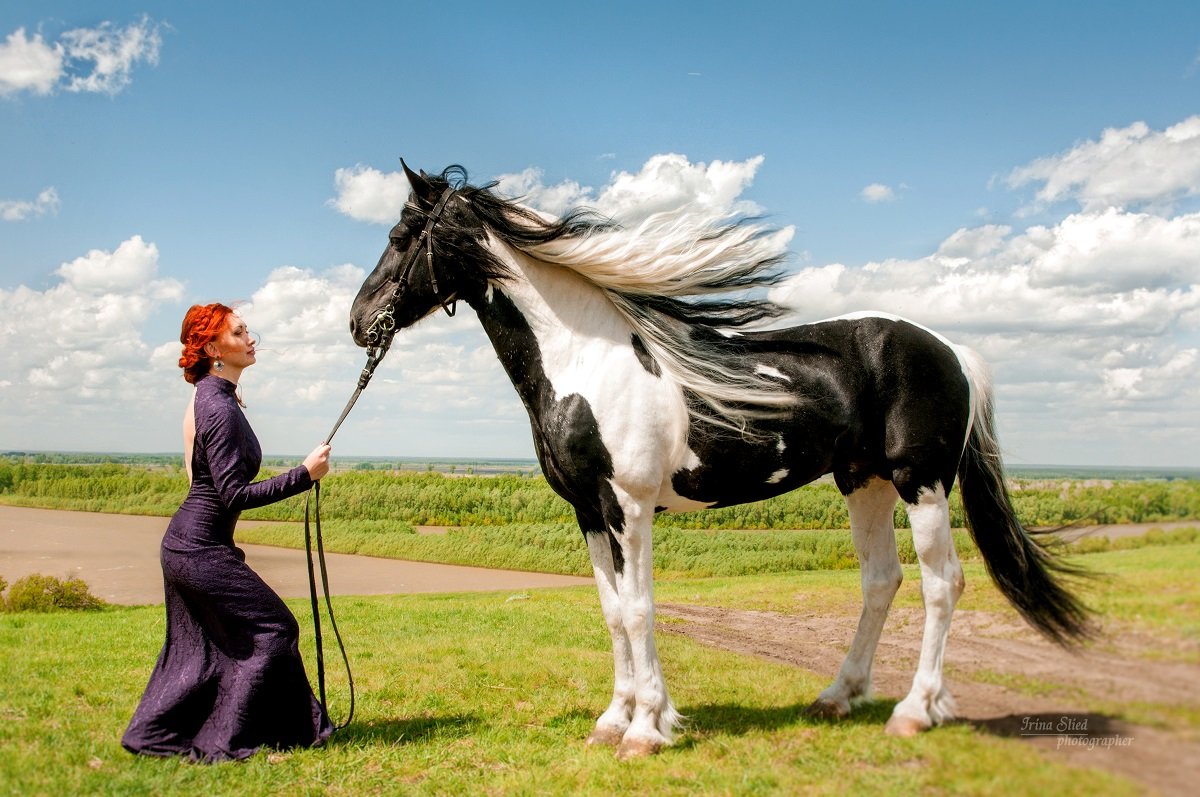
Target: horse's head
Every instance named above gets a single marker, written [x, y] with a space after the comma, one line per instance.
[428, 260]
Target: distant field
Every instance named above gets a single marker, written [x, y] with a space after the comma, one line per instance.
[517, 522]
[429, 498]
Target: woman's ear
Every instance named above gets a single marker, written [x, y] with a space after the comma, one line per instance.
[211, 350]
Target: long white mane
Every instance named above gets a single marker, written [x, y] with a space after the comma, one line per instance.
[678, 255]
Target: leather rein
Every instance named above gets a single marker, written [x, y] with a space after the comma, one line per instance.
[379, 340]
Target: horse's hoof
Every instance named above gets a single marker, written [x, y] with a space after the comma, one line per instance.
[637, 748]
[904, 727]
[826, 710]
[604, 736]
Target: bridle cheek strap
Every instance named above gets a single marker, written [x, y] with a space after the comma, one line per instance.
[383, 327]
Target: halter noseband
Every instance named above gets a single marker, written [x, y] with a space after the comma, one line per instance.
[383, 328]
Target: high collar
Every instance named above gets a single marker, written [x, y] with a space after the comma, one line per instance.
[214, 382]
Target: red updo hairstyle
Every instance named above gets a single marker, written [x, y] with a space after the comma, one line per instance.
[201, 326]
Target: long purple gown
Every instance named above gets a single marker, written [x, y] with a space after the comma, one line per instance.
[229, 679]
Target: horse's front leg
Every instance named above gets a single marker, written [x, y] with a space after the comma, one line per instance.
[654, 717]
[612, 724]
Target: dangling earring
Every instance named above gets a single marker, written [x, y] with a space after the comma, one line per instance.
[220, 366]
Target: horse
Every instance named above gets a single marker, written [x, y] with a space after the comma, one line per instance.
[653, 382]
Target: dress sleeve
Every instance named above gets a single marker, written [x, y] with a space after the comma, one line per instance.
[226, 448]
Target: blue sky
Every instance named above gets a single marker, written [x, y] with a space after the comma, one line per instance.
[1020, 176]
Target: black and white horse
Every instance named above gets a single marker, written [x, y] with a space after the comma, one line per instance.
[647, 392]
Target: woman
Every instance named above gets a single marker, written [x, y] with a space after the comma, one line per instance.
[229, 679]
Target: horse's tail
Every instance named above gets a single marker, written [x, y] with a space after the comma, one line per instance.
[1026, 571]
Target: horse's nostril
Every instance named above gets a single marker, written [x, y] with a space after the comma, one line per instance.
[353, 327]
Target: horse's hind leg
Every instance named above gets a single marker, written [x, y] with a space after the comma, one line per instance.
[871, 511]
[612, 724]
[928, 702]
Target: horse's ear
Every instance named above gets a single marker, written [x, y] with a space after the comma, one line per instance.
[420, 185]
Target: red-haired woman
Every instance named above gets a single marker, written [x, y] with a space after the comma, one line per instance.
[229, 679]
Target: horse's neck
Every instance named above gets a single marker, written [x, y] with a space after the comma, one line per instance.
[552, 315]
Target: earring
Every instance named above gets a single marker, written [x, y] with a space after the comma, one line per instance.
[220, 366]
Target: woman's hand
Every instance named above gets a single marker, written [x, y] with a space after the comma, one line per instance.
[317, 462]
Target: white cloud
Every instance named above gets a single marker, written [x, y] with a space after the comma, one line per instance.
[878, 192]
[557, 199]
[29, 64]
[1125, 167]
[665, 182]
[128, 269]
[367, 194]
[668, 182]
[99, 59]
[74, 355]
[19, 210]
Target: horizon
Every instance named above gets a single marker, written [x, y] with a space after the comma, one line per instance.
[1028, 193]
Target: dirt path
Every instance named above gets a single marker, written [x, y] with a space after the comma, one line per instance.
[990, 647]
[117, 555]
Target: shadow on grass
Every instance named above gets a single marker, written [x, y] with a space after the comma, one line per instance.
[737, 720]
[1073, 724]
[406, 731]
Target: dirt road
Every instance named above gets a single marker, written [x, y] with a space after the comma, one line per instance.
[117, 555]
[1060, 710]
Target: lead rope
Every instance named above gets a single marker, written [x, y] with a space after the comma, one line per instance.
[379, 335]
[373, 360]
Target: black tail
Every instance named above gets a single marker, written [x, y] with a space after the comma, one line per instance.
[1029, 575]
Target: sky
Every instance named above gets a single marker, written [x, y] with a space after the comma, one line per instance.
[1022, 177]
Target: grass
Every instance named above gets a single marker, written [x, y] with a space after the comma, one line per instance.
[479, 694]
[678, 553]
[488, 694]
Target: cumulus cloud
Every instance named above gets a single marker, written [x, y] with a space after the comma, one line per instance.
[20, 210]
[527, 186]
[29, 64]
[878, 192]
[1126, 167]
[79, 343]
[98, 60]
[665, 182]
[367, 194]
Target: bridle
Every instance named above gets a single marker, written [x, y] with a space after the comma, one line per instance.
[383, 326]
[379, 340]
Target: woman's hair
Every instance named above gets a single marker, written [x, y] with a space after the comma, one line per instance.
[201, 326]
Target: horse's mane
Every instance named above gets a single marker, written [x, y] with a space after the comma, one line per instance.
[673, 277]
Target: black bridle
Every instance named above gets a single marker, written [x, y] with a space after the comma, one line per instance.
[383, 326]
[379, 340]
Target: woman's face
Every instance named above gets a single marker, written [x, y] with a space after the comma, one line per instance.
[235, 346]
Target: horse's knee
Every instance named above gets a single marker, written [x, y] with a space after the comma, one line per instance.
[880, 587]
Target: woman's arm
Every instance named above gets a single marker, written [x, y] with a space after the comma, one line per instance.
[231, 474]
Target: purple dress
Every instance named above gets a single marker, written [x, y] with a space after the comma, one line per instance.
[229, 679]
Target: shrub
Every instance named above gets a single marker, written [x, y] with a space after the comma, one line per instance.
[38, 593]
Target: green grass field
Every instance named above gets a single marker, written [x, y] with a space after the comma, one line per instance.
[479, 694]
[494, 693]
